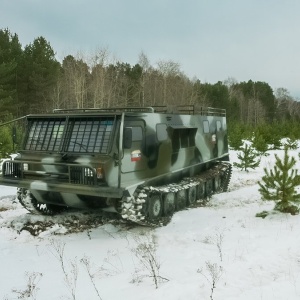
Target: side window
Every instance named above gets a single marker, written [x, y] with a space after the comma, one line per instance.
[205, 126]
[191, 136]
[161, 132]
[137, 134]
[175, 140]
[133, 137]
[183, 138]
[224, 124]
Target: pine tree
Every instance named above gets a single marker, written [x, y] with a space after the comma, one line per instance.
[291, 143]
[259, 143]
[10, 55]
[279, 184]
[275, 136]
[37, 77]
[235, 136]
[248, 158]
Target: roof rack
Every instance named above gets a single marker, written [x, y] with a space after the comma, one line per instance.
[170, 109]
[175, 109]
[113, 109]
[210, 111]
[188, 109]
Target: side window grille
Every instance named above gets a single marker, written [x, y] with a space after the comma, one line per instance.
[183, 138]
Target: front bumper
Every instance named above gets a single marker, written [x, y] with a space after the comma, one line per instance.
[57, 177]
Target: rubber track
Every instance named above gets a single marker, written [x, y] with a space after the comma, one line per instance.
[134, 208]
[25, 198]
[29, 202]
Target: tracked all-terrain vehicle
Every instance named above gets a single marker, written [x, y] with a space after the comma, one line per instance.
[146, 162]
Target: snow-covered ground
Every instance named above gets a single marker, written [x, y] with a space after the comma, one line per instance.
[221, 251]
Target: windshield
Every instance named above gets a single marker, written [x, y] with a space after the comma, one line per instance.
[72, 134]
[88, 135]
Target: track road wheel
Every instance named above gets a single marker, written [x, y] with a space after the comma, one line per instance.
[169, 204]
[155, 207]
[201, 191]
[209, 187]
[226, 178]
[218, 184]
[192, 195]
[180, 199]
[31, 204]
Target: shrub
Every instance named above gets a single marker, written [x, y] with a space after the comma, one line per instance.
[248, 158]
[279, 184]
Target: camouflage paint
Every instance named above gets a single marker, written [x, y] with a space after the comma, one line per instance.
[153, 157]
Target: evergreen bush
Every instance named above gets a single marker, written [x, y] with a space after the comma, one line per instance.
[291, 143]
[6, 143]
[259, 143]
[235, 138]
[248, 158]
[279, 184]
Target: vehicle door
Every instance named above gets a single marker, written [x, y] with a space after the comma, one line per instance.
[133, 146]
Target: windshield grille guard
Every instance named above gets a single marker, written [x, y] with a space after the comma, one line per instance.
[71, 134]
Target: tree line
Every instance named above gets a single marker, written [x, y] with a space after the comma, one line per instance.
[32, 80]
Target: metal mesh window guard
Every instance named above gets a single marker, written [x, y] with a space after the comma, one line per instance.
[81, 135]
[89, 135]
[45, 134]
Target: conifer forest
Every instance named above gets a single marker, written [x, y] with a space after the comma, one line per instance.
[33, 80]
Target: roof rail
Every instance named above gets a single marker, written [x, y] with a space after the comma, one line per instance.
[174, 109]
[170, 109]
[210, 111]
[113, 109]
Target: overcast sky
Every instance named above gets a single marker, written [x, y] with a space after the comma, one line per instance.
[210, 39]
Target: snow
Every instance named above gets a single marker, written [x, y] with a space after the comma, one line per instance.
[248, 257]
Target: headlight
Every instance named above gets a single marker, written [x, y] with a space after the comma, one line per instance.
[100, 173]
[88, 172]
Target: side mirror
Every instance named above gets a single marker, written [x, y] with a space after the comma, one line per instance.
[127, 138]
